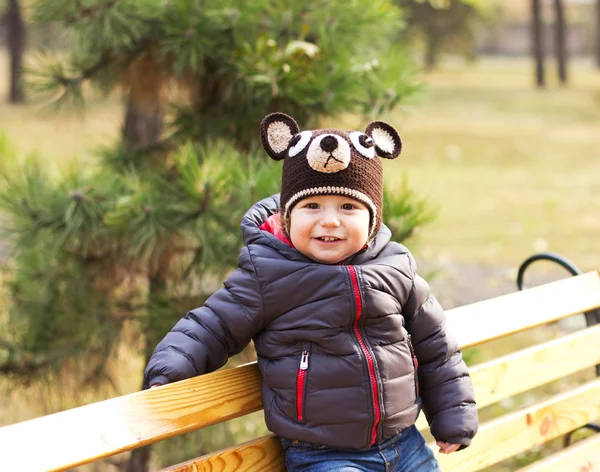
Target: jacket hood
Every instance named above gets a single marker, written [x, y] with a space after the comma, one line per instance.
[262, 210]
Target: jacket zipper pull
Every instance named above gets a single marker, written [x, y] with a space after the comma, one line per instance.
[412, 351]
[304, 360]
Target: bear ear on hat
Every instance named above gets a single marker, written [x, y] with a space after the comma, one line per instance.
[276, 132]
[386, 138]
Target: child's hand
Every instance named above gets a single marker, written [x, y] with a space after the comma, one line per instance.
[447, 448]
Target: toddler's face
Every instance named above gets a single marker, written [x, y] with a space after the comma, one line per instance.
[329, 228]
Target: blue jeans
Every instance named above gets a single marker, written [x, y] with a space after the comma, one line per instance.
[405, 452]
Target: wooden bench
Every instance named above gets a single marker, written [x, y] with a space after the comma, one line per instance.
[95, 431]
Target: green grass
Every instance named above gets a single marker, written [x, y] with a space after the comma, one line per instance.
[511, 169]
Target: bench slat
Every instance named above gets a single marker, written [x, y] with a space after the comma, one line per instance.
[508, 314]
[82, 435]
[523, 370]
[583, 456]
[263, 454]
[516, 432]
[526, 369]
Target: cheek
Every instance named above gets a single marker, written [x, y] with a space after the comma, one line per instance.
[361, 229]
[365, 222]
[297, 227]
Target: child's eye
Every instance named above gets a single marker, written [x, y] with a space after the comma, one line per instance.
[348, 206]
[312, 206]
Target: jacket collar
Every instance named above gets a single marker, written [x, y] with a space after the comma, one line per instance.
[273, 225]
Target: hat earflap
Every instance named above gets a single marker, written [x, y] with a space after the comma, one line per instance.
[387, 140]
[276, 132]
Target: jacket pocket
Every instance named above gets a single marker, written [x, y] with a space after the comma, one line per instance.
[301, 377]
[415, 362]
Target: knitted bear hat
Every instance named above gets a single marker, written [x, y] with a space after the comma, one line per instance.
[330, 162]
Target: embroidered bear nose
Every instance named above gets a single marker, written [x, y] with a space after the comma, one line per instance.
[329, 144]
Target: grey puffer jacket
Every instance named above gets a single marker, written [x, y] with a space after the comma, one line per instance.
[338, 345]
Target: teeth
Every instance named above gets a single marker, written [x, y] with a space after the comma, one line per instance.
[328, 238]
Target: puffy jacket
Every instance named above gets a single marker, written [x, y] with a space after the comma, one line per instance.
[349, 353]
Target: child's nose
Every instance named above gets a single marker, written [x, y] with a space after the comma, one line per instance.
[330, 218]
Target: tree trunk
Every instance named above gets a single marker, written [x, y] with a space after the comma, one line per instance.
[143, 123]
[143, 128]
[139, 460]
[560, 41]
[158, 306]
[538, 48]
[598, 33]
[15, 42]
[431, 51]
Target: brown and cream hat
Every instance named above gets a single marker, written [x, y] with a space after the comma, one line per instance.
[330, 162]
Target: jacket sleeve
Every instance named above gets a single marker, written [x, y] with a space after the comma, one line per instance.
[445, 386]
[206, 337]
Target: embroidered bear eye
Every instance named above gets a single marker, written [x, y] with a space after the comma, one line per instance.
[363, 144]
[365, 141]
[299, 142]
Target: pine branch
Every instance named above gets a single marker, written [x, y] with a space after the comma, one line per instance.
[21, 366]
[128, 310]
[158, 148]
[88, 11]
[6, 345]
[196, 214]
[18, 363]
[203, 208]
[98, 373]
[104, 61]
[88, 258]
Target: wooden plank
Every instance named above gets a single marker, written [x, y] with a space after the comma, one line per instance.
[519, 431]
[263, 454]
[82, 435]
[526, 369]
[508, 314]
[523, 370]
[583, 456]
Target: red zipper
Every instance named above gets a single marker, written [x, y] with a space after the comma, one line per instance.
[301, 384]
[366, 352]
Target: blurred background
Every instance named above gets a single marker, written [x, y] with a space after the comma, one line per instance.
[129, 154]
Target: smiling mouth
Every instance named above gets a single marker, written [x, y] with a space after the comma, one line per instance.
[328, 239]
